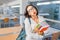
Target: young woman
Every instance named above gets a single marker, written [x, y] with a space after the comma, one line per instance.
[32, 13]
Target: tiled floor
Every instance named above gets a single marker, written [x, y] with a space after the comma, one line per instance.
[12, 33]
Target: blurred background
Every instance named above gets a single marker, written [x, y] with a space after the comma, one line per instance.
[12, 13]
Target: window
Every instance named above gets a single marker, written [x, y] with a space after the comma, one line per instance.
[49, 10]
[11, 15]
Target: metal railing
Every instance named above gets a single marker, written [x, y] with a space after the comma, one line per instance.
[18, 32]
[52, 20]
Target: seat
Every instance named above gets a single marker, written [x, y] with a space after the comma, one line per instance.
[16, 23]
[6, 22]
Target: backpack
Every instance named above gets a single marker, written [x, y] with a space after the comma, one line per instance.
[22, 34]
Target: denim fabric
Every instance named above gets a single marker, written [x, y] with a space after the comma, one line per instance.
[22, 35]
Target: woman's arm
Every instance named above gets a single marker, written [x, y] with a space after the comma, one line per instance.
[44, 24]
[29, 30]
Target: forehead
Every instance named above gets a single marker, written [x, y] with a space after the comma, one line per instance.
[29, 7]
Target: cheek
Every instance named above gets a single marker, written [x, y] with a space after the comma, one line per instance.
[31, 13]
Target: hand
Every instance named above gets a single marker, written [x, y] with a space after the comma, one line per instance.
[41, 33]
[35, 30]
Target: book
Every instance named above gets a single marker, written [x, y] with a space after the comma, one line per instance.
[41, 27]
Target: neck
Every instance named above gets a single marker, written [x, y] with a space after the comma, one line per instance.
[34, 17]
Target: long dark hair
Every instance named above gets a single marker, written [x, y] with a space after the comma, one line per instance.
[26, 12]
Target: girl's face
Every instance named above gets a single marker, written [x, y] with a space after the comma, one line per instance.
[31, 11]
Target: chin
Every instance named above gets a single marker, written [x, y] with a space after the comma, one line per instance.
[34, 15]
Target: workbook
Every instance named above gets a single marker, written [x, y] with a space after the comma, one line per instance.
[42, 26]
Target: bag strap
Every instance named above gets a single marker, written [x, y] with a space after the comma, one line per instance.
[29, 20]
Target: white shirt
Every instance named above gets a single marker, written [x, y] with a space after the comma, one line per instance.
[29, 28]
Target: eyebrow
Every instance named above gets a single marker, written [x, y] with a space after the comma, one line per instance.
[31, 8]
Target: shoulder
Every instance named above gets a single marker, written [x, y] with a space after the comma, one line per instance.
[41, 18]
[26, 20]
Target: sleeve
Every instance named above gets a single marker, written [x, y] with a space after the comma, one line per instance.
[43, 23]
[29, 30]
[41, 18]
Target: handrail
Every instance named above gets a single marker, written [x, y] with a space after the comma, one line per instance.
[52, 20]
[18, 32]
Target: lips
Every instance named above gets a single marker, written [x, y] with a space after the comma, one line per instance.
[34, 12]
